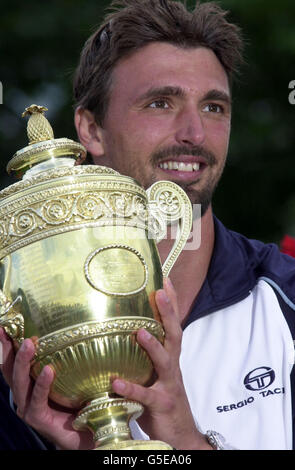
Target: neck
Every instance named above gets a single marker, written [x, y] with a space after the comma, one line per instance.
[190, 269]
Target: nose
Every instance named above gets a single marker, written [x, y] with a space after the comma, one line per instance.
[190, 127]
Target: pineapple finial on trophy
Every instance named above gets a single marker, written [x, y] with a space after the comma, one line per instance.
[38, 128]
[43, 151]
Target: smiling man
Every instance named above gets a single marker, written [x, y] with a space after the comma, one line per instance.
[175, 124]
[153, 96]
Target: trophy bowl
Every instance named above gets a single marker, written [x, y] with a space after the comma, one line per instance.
[79, 269]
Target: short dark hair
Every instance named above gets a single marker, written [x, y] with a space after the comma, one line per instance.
[133, 24]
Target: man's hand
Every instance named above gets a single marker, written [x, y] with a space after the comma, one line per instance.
[31, 398]
[167, 414]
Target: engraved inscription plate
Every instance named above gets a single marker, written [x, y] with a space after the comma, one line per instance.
[116, 270]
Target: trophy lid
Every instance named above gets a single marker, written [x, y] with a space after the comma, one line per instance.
[42, 144]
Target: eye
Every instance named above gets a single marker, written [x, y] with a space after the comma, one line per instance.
[160, 104]
[213, 108]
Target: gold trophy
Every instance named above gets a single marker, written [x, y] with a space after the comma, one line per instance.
[79, 268]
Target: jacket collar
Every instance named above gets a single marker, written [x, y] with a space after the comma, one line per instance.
[230, 275]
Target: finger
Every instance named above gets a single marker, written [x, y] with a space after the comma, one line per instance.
[22, 382]
[170, 319]
[39, 399]
[170, 291]
[136, 392]
[160, 358]
[8, 356]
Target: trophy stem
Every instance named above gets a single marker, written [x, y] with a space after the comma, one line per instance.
[107, 417]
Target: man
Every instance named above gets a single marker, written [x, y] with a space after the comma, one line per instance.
[153, 94]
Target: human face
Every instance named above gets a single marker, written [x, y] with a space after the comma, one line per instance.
[169, 118]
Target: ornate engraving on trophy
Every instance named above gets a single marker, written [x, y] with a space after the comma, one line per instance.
[66, 207]
[116, 270]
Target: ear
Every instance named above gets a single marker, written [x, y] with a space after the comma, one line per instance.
[89, 132]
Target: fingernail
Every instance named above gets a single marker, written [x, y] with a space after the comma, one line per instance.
[145, 334]
[47, 373]
[120, 386]
[24, 347]
[168, 282]
[165, 297]
[43, 372]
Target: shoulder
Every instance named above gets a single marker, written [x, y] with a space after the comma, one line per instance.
[266, 262]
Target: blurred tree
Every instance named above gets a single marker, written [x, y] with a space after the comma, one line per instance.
[257, 193]
[40, 43]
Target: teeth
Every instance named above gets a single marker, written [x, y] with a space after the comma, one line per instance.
[180, 166]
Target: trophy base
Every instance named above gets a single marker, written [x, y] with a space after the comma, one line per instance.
[107, 417]
[136, 445]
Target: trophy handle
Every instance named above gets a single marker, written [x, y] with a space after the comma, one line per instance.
[10, 319]
[168, 203]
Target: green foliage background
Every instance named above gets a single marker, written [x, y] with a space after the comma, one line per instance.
[40, 43]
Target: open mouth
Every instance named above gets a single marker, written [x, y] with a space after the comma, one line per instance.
[188, 171]
[180, 166]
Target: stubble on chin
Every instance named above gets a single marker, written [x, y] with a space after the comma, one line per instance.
[196, 195]
[203, 195]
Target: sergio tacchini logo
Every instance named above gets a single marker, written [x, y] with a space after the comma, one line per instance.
[256, 380]
[259, 378]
